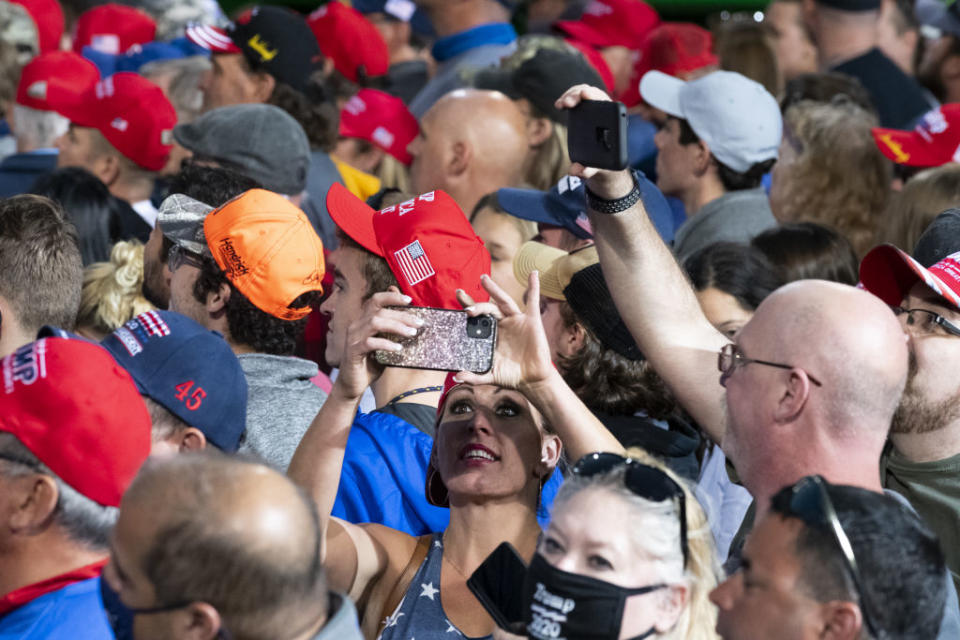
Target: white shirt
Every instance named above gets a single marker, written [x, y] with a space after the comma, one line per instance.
[147, 211]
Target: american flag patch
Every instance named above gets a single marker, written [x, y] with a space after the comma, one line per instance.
[414, 264]
[154, 324]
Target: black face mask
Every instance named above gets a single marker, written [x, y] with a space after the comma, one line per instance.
[120, 616]
[574, 607]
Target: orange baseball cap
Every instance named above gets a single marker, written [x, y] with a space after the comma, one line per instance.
[268, 249]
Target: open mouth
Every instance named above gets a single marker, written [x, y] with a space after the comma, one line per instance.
[477, 452]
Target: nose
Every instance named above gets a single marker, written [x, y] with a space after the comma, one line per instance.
[726, 593]
[479, 422]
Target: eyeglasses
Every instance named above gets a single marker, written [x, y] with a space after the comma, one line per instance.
[179, 256]
[645, 481]
[810, 502]
[926, 321]
[731, 357]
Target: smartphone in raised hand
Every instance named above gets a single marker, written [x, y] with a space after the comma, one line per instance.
[597, 134]
[449, 340]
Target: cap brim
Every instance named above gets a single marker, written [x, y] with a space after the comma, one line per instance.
[353, 216]
[584, 33]
[889, 273]
[496, 79]
[527, 204]
[663, 92]
[907, 148]
[536, 256]
[211, 38]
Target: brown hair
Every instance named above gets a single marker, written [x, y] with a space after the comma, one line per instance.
[912, 210]
[745, 47]
[375, 269]
[41, 272]
[839, 178]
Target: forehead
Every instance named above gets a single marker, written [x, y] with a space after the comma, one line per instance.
[770, 550]
[348, 262]
[486, 394]
[920, 293]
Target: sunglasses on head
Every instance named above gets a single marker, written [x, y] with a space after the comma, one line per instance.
[810, 502]
[645, 481]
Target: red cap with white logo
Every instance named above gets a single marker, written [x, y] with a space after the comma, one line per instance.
[889, 273]
[382, 119]
[934, 142]
[55, 80]
[350, 40]
[113, 28]
[610, 23]
[48, 16]
[429, 244]
[132, 114]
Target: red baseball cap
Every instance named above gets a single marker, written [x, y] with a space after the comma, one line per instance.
[889, 273]
[78, 412]
[673, 48]
[48, 16]
[113, 28]
[132, 114]
[55, 80]
[429, 244]
[609, 23]
[380, 118]
[268, 249]
[596, 61]
[213, 38]
[350, 40]
[935, 141]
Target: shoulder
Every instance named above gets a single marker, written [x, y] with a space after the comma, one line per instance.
[72, 612]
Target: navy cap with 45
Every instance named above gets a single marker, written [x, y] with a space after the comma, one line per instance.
[188, 369]
[563, 206]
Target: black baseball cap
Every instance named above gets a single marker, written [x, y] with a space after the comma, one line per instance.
[541, 79]
[851, 5]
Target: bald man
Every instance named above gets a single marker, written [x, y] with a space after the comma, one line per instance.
[208, 546]
[808, 386]
[471, 143]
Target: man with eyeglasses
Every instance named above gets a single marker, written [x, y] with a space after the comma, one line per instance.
[834, 561]
[810, 384]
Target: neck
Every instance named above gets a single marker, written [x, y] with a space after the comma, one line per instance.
[707, 190]
[132, 192]
[240, 349]
[40, 558]
[451, 17]
[929, 447]
[396, 380]
[12, 337]
[838, 43]
[475, 530]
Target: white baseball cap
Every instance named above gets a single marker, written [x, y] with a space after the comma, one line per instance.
[738, 119]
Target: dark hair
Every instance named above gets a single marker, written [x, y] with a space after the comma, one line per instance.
[376, 271]
[90, 207]
[899, 561]
[313, 108]
[929, 75]
[249, 325]
[737, 269]
[731, 180]
[807, 250]
[610, 383]
[823, 87]
[41, 272]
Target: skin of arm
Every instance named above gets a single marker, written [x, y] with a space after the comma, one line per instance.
[653, 295]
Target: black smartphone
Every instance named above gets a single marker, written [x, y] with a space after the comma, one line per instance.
[498, 585]
[448, 341]
[597, 134]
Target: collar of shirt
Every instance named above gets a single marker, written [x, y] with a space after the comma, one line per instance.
[452, 46]
[23, 595]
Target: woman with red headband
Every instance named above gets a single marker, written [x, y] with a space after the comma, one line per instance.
[498, 439]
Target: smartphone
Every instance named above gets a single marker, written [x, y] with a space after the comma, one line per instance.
[498, 585]
[597, 134]
[448, 341]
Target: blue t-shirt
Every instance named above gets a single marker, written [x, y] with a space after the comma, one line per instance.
[71, 613]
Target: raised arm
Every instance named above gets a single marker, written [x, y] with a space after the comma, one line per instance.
[652, 293]
[522, 362]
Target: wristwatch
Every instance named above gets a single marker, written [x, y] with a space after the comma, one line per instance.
[603, 205]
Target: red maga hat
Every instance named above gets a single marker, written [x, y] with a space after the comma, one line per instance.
[673, 48]
[889, 273]
[350, 40]
[48, 16]
[212, 38]
[935, 141]
[596, 61]
[113, 28]
[609, 23]
[78, 412]
[380, 118]
[429, 244]
[55, 80]
[132, 114]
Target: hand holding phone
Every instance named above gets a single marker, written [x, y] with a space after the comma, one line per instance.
[448, 341]
[597, 134]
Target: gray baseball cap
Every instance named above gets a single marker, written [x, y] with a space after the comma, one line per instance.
[180, 218]
[260, 141]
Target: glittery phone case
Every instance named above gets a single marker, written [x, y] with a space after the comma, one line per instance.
[446, 342]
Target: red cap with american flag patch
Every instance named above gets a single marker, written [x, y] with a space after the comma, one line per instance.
[935, 141]
[432, 250]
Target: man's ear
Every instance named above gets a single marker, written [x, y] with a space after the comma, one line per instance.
[702, 159]
[107, 168]
[191, 439]
[197, 621]
[842, 620]
[460, 157]
[263, 85]
[794, 396]
[35, 502]
[539, 131]
[217, 300]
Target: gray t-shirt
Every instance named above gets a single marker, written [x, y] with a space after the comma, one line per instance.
[736, 216]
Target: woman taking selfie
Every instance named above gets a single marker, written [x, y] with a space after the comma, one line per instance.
[498, 439]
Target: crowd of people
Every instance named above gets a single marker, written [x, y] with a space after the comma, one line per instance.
[715, 393]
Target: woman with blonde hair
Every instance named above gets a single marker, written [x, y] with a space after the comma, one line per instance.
[111, 292]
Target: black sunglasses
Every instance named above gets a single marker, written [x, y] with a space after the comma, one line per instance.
[810, 502]
[642, 479]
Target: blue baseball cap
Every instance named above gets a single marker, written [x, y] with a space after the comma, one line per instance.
[141, 54]
[563, 206]
[187, 369]
[403, 10]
